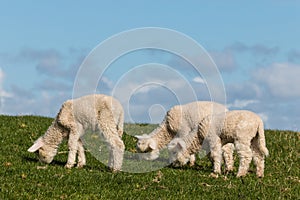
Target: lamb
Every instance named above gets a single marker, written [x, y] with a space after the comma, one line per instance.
[246, 130]
[243, 128]
[180, 150]
[94, 112]
[179, 121]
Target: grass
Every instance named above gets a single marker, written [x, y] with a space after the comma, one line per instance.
[23, 177]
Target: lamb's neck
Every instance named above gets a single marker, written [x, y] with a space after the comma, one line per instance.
[192, 142]
[55, 134]
[211, 124]
[162, 134]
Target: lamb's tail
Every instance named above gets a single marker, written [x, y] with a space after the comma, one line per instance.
[261, 139]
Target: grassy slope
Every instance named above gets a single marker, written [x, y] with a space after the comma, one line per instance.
[23, 177]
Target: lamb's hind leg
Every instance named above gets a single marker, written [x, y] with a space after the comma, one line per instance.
[258, 159]
[117, 148]
[227, 150]
[81, 155]
[108, 128]
[245, 155]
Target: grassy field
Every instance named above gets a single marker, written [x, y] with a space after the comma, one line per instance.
[23, 177]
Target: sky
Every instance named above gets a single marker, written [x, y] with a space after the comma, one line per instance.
[254, 44]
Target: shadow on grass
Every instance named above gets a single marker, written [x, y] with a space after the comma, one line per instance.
[36, 160]
[59, 163]
[93, 167]
[196, 167]
[30, 159]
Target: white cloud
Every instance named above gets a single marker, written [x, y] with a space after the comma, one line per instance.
[3, 93]
[137, 97]
[147, 93]
[156, 113]
[141, 88]
[272, 92]
[198, 79]
[39, 102]
[146, 88]
[224, 60]
[282, 79]
[294, 55]
[264, 117]
[242, 103]
[109, 83]
[257, 49]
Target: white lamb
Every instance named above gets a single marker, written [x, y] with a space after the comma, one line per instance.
[93, 112]
[243, 128]
[180, 150]
[179, 121]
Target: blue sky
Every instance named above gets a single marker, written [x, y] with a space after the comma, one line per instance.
[255, 44]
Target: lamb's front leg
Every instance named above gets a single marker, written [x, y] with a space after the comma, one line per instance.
[73, 147]
[81, 155]
[216, 153]
[192, 160]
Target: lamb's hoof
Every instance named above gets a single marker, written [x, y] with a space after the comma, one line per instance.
[79, 166]
[214, 175]
[229, 171]
[241, 175]
[226, 173]
[114, 170]
[69, 166]
[260, 175]
[191, 164]
[217, 171]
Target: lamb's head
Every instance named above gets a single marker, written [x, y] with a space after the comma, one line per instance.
[178, 155]
[46, 152]
[147, 147]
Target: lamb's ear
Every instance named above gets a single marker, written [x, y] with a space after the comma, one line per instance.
[37, 144]
[153, 145]
[138, 137]
[141, 136]
[181, 145]
[171, 145]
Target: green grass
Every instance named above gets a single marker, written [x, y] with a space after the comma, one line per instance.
[23, 177]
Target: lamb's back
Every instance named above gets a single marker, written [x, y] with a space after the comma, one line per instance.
[184, 118]
[87, 109]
